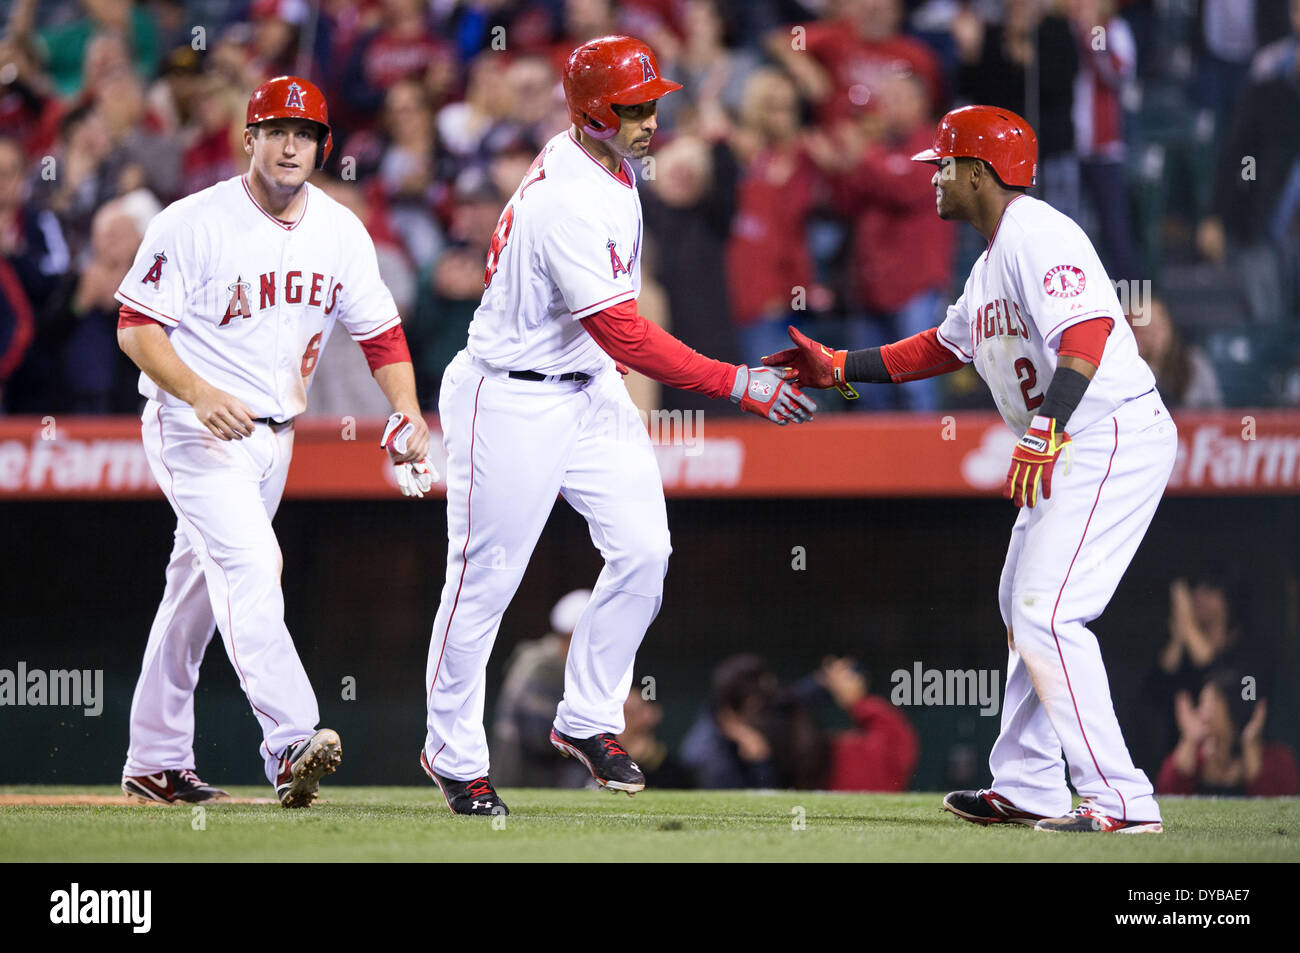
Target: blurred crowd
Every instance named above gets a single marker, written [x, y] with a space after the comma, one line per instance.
[780, 188]
[752, 731]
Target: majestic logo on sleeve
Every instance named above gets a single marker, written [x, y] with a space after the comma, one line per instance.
[155, 271]
[647, 71]
[615, 263]
[294, 99]
[238, 306]
[1064, 281]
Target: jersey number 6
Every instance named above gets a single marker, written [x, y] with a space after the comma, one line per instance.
[1028, 377]
[499, 238]
[310, 356]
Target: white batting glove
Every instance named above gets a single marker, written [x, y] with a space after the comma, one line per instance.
[413, 479]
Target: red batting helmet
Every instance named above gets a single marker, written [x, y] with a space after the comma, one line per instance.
[292, 97]
[611, 70]
[998, 136]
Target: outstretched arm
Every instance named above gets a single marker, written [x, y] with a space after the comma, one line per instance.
[815, 365]
[644, 346]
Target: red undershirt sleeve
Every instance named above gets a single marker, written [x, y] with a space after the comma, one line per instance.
[128, 317]
[918, 357]
[644, 346]
[1086, 340]
[387, 348]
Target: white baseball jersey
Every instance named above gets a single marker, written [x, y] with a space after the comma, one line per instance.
[1040, 276]
[567, 245]
[250, 299]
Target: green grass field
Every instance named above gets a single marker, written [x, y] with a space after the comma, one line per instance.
[412, 824]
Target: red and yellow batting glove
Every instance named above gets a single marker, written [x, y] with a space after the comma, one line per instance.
[1033, 460]
[812, 365]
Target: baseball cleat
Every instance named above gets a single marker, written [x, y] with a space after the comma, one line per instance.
[987, 807]
[475, 796]
[170, 787]
[1086, 819]
[605, 758]
[303, 765]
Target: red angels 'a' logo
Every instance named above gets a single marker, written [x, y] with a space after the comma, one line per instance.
[294, 99]
[238, 306]
[154, 274]
[647, 71]
[615, 263]
[1065, 281]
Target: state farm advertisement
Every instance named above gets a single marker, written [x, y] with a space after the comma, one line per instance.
[962, 454]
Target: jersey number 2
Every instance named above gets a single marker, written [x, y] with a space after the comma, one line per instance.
[499, 238]
[1028, 377]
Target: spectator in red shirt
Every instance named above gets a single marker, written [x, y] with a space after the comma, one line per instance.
[29, 108]
[275, 46]
[1222, 750]
[768, 261]
[840, 64]
[881, 751]
[404, 47]
[902, 252]
[215, 144]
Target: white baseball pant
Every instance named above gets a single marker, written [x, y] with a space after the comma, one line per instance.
[224, 572]
[1067, 556]
[512, 445]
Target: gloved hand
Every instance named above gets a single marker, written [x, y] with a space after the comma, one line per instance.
[812, 365]
[1033, 460]
[763, 391]
[414, 478]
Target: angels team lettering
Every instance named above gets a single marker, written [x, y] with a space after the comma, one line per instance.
[319, 291]
[1000, 317]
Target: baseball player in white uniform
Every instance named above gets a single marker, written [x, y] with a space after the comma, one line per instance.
[232, 297]
[1041, 321]
[535, 406]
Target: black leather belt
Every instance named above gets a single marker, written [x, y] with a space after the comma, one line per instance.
[575, 376]
[273, 424]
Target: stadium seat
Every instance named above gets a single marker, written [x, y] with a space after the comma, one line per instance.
[1251, 362]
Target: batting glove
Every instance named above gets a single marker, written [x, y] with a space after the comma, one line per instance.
[763, 391]
[1033, 460]
[812, 364]
[413, 479]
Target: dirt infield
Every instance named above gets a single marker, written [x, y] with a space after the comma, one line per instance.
[109, 800]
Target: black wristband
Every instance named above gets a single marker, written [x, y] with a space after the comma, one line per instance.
[1063, 395]
[866, 366]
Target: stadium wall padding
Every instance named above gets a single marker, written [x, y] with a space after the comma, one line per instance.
[891, 582]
